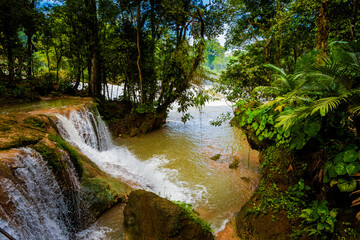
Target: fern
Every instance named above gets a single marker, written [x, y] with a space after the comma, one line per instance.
[325, 105]
[290, 117]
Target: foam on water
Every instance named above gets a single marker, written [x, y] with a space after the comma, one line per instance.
[94, 232]
[90, 134]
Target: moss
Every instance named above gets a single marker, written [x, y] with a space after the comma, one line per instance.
[50, 156]
[102, 192]
[35, 122]
[74, 153]
[188, 210]
[23, 140]
[4, 128]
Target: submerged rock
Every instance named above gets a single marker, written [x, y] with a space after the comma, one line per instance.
[148, 216]
[216, 157]
[234, 164]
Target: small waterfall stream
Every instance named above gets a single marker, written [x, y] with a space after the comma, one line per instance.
[36, 206]
[89, 133]
[39, 208]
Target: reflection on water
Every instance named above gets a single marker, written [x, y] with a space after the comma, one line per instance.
[51, 103]
[188, 149]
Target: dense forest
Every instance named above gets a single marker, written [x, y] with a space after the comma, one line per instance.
[154, 49]
[292, 68]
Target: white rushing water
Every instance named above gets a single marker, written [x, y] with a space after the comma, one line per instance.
[90, 134]
[40, 210]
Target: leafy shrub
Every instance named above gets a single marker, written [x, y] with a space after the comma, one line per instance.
[341, 169]
[262, 120]
[319, 219]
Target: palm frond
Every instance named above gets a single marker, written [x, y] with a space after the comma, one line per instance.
[288, 118]
[355, 110]
[267, 90]
[276, 101]
[275, 69]
[325, 105]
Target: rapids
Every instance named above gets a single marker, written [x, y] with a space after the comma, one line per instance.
[173, 162]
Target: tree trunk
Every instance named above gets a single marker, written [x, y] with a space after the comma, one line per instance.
[10, 58]
[138, 48]
[29, 52]
[353, 20]
[78, 77]
[278, 35]
[95, 81]
[48, 58]
[323, 26]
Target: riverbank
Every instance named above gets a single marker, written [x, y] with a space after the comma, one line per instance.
[55, 135]
[294, 200]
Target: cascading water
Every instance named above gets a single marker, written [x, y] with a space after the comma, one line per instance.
[39, 209]
[174, 162]
[89, 133]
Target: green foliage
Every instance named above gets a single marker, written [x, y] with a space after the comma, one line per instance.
[224, 117]
[342, 168]
[262, 121]
[146, 108]
[319, 220]
[293, 200]
[190, 212]
[243, 74]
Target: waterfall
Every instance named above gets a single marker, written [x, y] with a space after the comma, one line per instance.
[89, 133]
[38, 209]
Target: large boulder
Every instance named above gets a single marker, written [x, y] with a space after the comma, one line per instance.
[150, 217]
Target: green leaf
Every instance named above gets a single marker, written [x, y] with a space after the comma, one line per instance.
[299, 141]
[339, 157]
[287, 133]
[258, 132]
[312, 129]
[255, 125]
[333, 182]
[306, 213]
[332, 172]
[320, 226]
[350, 156]
[353, 168]
[261, 137]
[346, 185]
[327, 166]
[271, 120]
[340, 168]
[350, 147]
[323, 209]
[331, 221]
[333, 212]
[326, 178]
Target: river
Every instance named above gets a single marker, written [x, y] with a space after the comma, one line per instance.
[181, 155]
[174, 162]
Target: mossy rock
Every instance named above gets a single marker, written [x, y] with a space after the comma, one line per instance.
[148, 216]
[216, 157]
[263, 226]
[15, 132]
